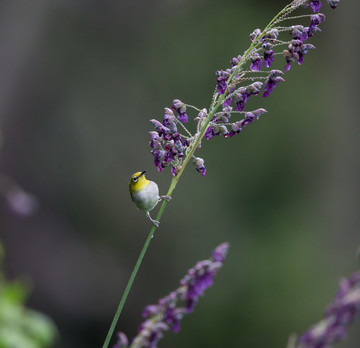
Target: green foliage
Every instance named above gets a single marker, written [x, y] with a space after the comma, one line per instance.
[21, 326]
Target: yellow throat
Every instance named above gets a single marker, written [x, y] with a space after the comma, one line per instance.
[138, 182]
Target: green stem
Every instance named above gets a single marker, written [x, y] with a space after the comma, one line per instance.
[173, 184]
[213, 109]
[137, 266]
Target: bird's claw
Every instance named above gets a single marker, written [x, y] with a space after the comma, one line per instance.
[167, 198]
[156, 223]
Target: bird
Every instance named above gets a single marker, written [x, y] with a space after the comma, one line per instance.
[145, 194]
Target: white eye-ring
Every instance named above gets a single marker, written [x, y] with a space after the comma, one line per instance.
[134, 179]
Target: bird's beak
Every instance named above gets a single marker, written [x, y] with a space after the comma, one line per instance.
[142, 173]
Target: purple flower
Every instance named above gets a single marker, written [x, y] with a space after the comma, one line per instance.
[242, 94]
[316, 19]
[180, 108]
[240, 98]
[333, 3]
[289, 59]
[162, 131]
[296, 52]
[21, 202]
[254, 88]
[159, 156]
[271, 35]
[167, 144]
[255, 62]
[221, 79]
[169, 120]
[199, 166]
[222, 85]
[201, 116]
[341, 312]
[271, 81]
[250, 117]
[168, 312]
[173, 171]
[227, 102]
[235, 129]
[304, 49]
[198, 280]
[209, 133]
[268, 54]
[122, 341]
[220, 252]
[297, 32]
[315, 5]
[235, 61]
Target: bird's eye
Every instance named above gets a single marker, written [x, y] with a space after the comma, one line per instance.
[134, 179]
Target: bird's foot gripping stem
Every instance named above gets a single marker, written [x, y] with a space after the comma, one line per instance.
[156, 223]
[167, 198]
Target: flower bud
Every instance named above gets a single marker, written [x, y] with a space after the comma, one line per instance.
[254, 35]
[180, 108]
[199, 166]
[333, 3]
[235, 61]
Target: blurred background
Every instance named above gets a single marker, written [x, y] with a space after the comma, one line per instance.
[79, 81]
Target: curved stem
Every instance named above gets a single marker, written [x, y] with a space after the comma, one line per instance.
[136, 267]
[213, 109]
[173, 184]
[127, 289]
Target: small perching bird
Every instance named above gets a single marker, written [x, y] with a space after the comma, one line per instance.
[145, 194]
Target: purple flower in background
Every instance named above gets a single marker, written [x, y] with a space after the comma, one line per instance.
[220, 252]
[168, 312]
[21, 202]
[122, 341]
[341, 312]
